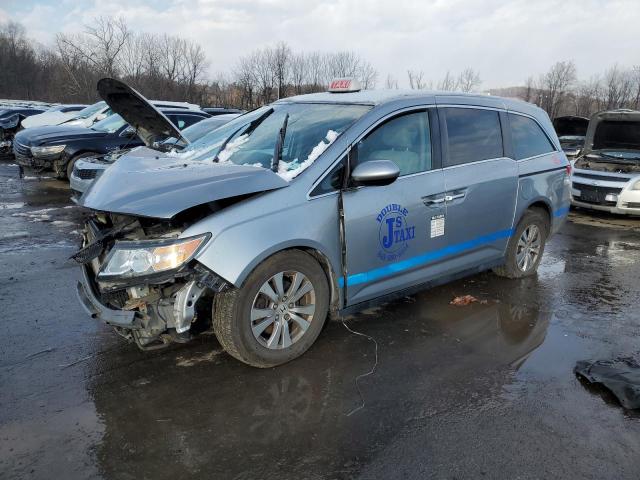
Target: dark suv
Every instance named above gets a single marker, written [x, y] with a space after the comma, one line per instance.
[57, 148]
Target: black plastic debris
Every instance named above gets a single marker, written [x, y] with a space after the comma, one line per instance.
[620, 376]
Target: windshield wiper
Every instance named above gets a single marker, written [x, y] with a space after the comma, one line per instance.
[252, 126]
[277, 151]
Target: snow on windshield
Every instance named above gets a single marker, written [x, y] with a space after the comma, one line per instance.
[231, 148]
[290, 170]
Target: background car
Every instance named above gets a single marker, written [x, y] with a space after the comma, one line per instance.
[57, 148]
[100, 110]
[607, 176]
[10, 118]
[571, 132]
[213, 111]
[87, 169]
[54, 116]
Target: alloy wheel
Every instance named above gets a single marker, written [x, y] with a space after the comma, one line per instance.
[283, 310]
[528, 248]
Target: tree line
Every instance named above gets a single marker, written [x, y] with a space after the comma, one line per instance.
[173, 68]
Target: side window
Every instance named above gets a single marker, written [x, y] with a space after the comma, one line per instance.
[473, 135]
[528, 138]
[331, 182]
[404, 140]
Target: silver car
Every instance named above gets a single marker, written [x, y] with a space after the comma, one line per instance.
[316, 206]
[607, 175]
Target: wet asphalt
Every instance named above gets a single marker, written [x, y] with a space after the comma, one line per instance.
[478, 391]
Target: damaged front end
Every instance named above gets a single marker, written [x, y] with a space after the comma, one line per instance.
[139, 276]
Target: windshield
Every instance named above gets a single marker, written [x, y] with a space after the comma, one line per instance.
[110, 124]
[91, 110]
[310, 129]
[617, 135]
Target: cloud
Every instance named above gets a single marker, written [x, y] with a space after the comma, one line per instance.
[505, 41]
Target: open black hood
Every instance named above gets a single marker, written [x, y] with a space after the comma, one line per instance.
[137, 111]
[571, 126]
[613, 130]
[148, 184]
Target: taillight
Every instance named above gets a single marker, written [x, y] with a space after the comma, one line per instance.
[569, 169]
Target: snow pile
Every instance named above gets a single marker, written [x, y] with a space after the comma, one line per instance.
[290, 170]
[231, 148]
[195, 153]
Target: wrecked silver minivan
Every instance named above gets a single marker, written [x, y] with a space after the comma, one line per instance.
[607, 175]
[315, 205]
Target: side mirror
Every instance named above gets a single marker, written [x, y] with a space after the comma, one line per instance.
[128, 132]
[100, 116]
[375, 173]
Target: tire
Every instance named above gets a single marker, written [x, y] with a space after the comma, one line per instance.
[232, 311]
[533, 219]
[65, 172]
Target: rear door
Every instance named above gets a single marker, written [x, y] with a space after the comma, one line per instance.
[481, 185]
[392, 232]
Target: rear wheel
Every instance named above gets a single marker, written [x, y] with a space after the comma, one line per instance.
[526, 246]
[278, 312]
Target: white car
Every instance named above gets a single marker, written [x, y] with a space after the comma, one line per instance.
[99, 111]
[54, 116]
[607, 176]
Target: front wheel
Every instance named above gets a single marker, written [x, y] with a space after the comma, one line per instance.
[278, 312]
[526, 246]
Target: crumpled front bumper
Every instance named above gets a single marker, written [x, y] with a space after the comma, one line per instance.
[93, 306]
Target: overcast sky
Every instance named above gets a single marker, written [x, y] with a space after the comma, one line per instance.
[505, 40]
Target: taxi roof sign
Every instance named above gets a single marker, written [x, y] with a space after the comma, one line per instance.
[342, 85]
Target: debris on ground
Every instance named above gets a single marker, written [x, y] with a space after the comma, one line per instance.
[465, 300]
[620, 376]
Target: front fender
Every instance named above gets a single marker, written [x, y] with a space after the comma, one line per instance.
[246, 240]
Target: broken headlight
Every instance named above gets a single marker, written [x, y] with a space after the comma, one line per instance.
[46, 151]
[134, 259]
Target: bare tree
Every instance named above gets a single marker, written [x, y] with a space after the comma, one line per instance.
[391, 83]
[529, 89]
[367, 75]
[555, 85]
[279, 58]
[618, 84]
[416, 79]
[448, 83]
[635, 79]
[468, 80]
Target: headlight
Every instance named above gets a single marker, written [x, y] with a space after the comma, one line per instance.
[46, 151]
[636, 185]
[133, 259]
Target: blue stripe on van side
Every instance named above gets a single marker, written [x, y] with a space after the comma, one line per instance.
[423, 259]
[561, 212]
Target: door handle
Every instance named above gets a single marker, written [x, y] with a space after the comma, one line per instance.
[431, 200]
[449, 198]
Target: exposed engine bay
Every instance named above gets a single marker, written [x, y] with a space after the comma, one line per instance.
[152, 309]
[600, 163]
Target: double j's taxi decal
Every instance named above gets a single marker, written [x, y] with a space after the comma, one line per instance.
[394, 233]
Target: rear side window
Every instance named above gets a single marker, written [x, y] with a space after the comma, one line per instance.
[472, 135]
[528, 138]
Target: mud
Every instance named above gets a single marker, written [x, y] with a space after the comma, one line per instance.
[481, 390]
